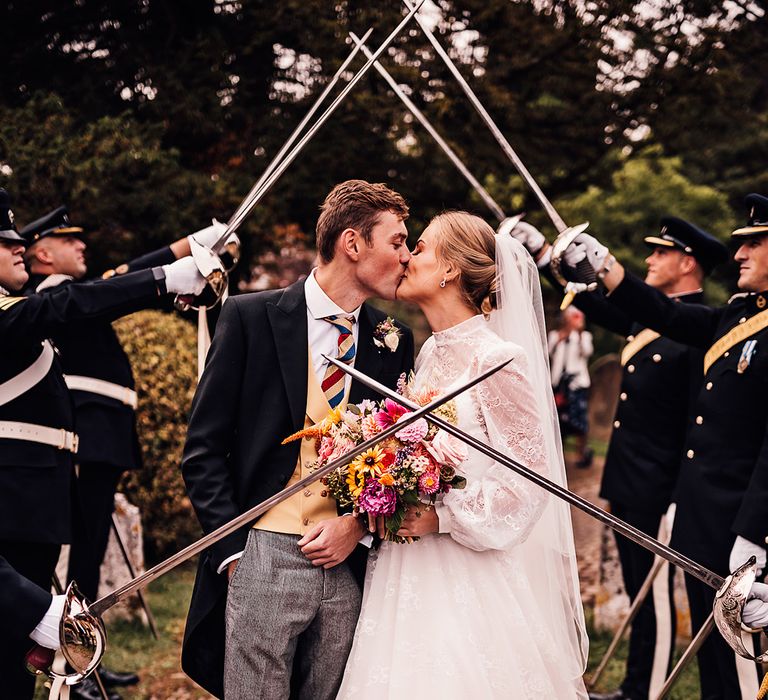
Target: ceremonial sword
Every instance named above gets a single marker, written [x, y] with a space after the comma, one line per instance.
[731, 592]
[566, 234]
[484, 195]
[281, 167]
[83, 636]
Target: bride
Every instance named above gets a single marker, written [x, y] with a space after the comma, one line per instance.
[486, 603]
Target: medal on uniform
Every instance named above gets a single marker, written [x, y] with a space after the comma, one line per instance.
[749, 349]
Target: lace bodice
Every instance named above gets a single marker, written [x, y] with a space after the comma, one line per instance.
[498, 508]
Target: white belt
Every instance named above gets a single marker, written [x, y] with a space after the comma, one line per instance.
[32, 375]
[56, 437]
[103, 388]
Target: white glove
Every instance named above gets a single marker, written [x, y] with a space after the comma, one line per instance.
[755, 612]
[742, 550]
[532, 239]
[183, 277]
[209, 235]
[586, 247]
[46, 634]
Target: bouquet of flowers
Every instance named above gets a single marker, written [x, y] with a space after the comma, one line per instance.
[412, 467]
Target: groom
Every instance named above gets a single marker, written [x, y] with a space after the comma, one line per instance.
[275, 605]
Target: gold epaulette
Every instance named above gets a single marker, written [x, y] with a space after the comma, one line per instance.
[734, 337]
[643, 338]
[7, 302]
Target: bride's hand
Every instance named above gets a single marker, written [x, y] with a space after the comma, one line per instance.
[419, 521]
[376, 525]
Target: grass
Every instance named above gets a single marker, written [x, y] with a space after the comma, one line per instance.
[130, 646]
[686, 688]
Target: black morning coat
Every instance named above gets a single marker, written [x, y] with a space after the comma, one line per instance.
[90, 348]
[253, 394]
[723, 486]
[658, 386]
[35, 479]
[22, 603]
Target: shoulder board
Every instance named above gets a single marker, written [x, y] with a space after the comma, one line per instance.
[740, 295]
[7, 302]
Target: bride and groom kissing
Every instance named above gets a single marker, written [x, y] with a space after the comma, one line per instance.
[486, 603]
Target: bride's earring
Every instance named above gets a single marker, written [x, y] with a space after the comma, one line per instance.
[442, 284]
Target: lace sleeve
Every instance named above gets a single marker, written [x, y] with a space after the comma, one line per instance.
[499, 509]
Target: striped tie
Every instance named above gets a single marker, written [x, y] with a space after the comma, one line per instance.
[333, 381]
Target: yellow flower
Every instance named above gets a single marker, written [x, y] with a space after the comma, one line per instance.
[369, 462]
[355, 481]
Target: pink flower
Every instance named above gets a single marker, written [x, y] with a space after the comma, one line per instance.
[369, 427]
[429, 482]
[377, 500]
[390, 414]
[326, 448]
[415, 432]
[447, 449]
[341, 445]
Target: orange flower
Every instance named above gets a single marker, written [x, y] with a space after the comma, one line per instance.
[386, 479]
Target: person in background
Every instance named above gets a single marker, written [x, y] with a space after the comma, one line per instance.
[570, 348]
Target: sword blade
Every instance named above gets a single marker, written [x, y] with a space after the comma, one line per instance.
[420, 116]
[281, 167]
[100, 606]
[294, 135]
[494, 129]
[623, 528]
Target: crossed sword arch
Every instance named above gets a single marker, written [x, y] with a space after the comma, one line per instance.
[83, 633]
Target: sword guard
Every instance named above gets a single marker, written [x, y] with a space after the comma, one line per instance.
[728, 606]
[212, 269]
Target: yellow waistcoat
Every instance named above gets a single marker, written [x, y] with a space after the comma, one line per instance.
[299, 513]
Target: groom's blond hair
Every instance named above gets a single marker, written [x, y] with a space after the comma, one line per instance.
[355, 204]
[469, 243]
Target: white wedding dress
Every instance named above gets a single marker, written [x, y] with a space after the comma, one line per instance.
[489, 607]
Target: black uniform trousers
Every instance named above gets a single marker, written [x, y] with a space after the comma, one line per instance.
[36, 561]
[96, 486]
[636, 563]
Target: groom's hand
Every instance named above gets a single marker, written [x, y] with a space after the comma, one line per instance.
[330, 542]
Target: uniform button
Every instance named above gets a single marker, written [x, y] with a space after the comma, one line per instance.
[709, 386]
[617, 424]
[699, 420]
[657, 357]
[766, 540]
[742, 320]
[726, 354]
[307, 493]
[630, 338]
[305, 521]
[690, 454]
[630, 369]
[623, 395]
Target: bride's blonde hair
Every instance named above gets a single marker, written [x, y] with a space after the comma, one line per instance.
[469, 243]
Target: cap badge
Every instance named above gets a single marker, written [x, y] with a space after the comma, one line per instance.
[11, 218]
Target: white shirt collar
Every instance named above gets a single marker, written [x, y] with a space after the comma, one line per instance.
[320, 305]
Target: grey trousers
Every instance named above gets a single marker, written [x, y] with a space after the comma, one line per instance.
[289, 625]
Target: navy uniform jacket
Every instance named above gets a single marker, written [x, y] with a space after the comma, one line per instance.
[723, 487]
[90, 348]
[252, 394]
[658, 386]
[35, 479]
[22, 603]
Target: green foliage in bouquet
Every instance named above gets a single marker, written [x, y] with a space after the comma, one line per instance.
[162, 350]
